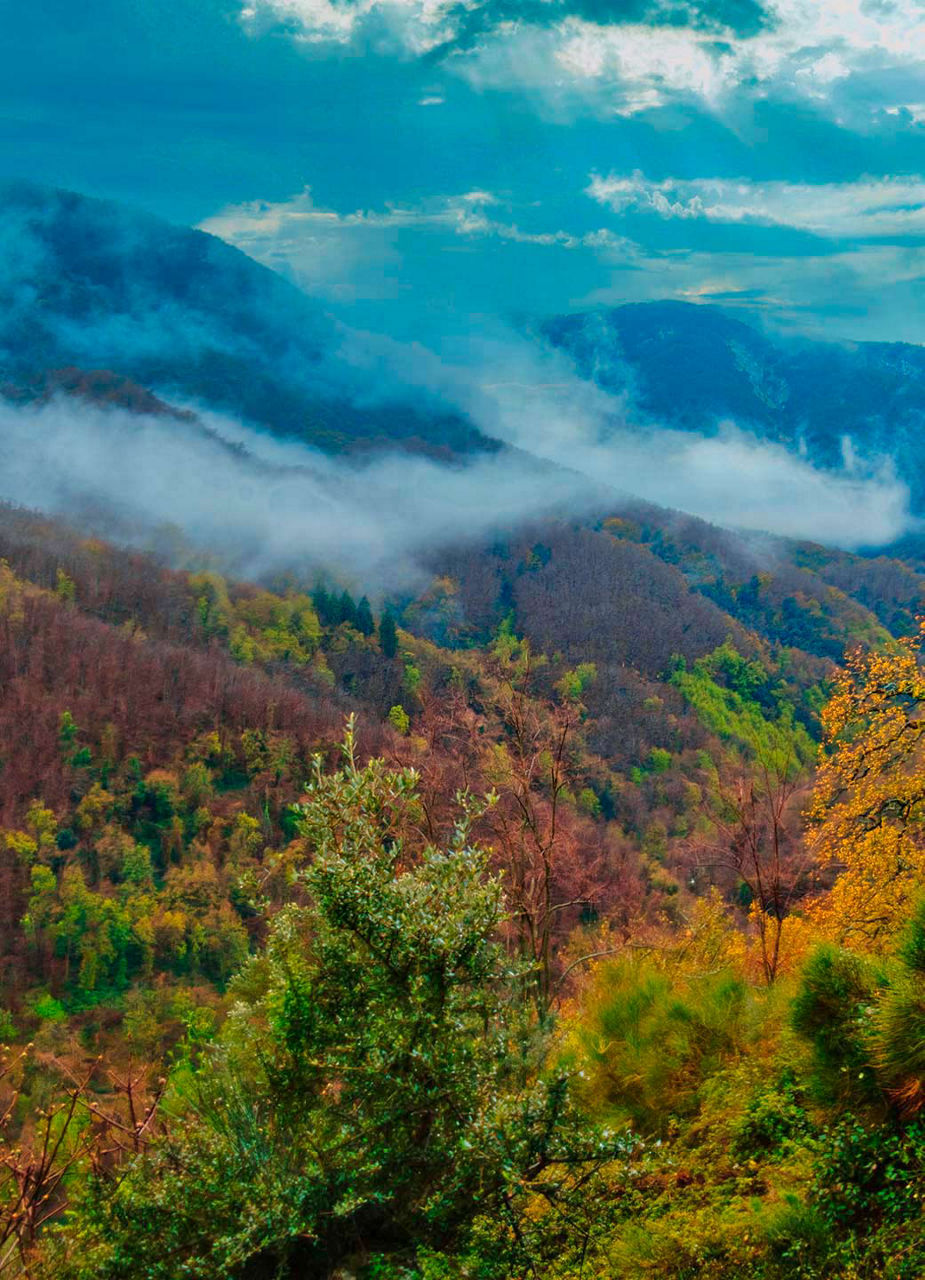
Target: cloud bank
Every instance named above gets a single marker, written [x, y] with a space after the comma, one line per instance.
[261, 504]
[872, 209]
[535, 402]
[265, 505]
[639, 56]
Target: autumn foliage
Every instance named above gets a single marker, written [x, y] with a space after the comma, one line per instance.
[869, 803]
[550, 945]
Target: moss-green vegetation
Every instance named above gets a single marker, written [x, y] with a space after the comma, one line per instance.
[740, 702]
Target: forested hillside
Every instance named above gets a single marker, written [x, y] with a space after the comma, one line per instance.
[94, 294]
[636, 1018]
[696, 368]
[462, 640]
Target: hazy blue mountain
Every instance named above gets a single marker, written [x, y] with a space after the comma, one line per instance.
[693, 367]
[104, 301]
[91, 285]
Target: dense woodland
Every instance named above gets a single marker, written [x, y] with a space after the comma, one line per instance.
[563, 920]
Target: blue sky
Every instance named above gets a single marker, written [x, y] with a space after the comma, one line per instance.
[424, 165]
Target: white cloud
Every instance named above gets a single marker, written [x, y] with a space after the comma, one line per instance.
[730, 477]
[878, 208]
[913, 111]
[316, 20]
[414, 26]
[328, 252]
[643, 66]
[268, 504]
[809, 49]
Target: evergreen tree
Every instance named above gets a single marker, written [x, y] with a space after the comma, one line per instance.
[366, 1093]
[364, 618]
[388, 635]
[347, 610]
[325, 606]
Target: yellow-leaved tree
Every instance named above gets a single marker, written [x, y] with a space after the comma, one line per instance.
[868, 807]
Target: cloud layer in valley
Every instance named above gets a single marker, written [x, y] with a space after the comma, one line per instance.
[262, 504]
[532, 400]
[265, 505]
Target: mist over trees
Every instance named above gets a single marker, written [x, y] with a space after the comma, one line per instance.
[462, 606]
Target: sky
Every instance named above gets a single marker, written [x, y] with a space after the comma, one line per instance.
[427, 165]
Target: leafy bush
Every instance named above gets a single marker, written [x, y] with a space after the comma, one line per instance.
[7, 1026]
[912, 947]
[375, 1085]
[870, 1174]
[704, 1244]
[773, 1117]
[647, 1040]
[49, 1009]
[832, 1011]
[799, 1242]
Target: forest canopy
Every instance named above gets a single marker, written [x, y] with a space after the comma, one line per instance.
[539, 967]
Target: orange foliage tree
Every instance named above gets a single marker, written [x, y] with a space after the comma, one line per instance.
[869, 803]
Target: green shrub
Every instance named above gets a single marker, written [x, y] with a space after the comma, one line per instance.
[698, 1244]
[773, 1117]
[870, 1175]
[7, 1026]
[370, 1091]
[398, 718]
[649, 1041]
[912, 947]
[899, 1041]
[832, 1011]
[799, 1242]
[899, 1021]
[49, 1009]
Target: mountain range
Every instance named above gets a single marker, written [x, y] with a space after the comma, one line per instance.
[198, 479]
[117, 306]
[695, 367]
[90, 285]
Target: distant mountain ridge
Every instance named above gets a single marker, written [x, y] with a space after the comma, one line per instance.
[692, 367]
[117, 307]
[88, 285]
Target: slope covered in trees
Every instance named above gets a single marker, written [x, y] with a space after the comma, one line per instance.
[95, 290]
[545, 976]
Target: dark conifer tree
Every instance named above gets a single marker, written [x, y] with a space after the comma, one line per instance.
[347, 609]
[388, 635]
[326, 607]
[364, 618]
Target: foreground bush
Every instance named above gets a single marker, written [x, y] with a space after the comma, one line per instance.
[376, 1088]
